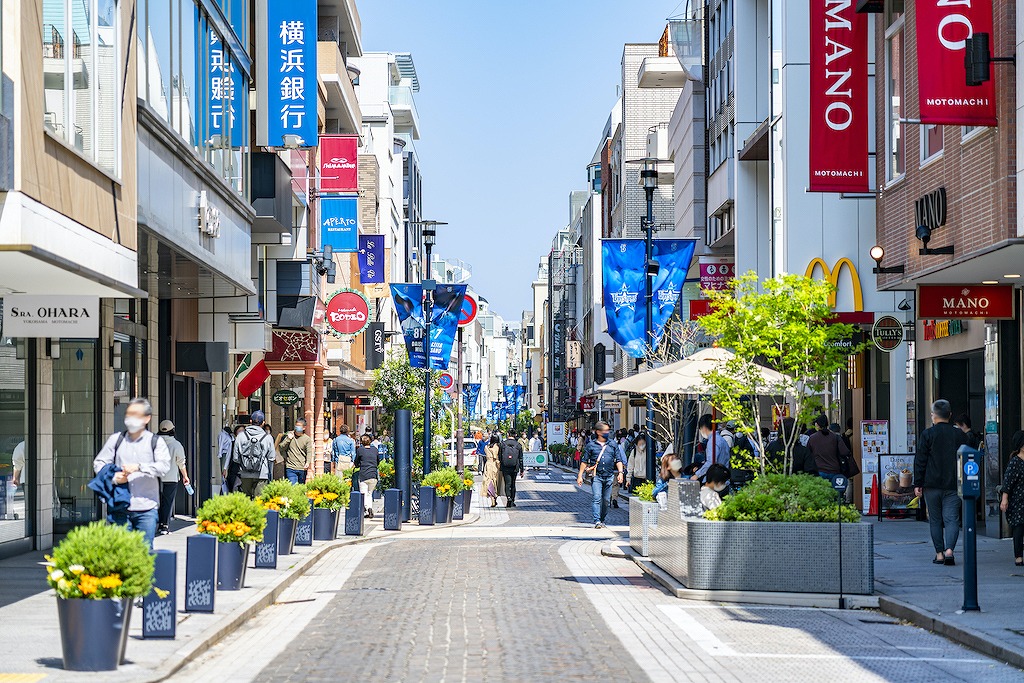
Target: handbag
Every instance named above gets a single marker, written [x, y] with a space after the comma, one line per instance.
[590, 470]
[847, 463]
[491, 493]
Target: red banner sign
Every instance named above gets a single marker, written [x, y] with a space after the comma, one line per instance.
[943, 93]
[839, 97]
[716, 272]
[348, 312]
[339, 163]
[994, 302]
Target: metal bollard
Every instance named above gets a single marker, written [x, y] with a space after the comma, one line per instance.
[200, 573]
[393, 510]
[159, 614]
[354, 515]
[266, 550]
[426, 506]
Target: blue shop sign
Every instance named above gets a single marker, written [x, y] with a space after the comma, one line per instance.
[288, 72]
[338, 223]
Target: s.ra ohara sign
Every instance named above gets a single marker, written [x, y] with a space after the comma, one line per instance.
[54, 316]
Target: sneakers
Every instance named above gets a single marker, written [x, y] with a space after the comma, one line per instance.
[164, 530]
[599, 525]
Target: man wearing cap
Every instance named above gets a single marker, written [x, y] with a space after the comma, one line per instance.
[169, 482]
[254, 452]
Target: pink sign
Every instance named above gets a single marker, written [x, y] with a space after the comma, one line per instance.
[716, 272]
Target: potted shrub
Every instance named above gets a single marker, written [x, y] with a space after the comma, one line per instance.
[236, 521]
[643, 514]
[97, 571]
[291, 503]
[329, 493]
[447, 484]
[385, 476]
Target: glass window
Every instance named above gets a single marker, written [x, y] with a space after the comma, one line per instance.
[931, 141]
[56, 56]
[896, 158]
[142, 61]
[16, 470]
[187, 75]
[159, 67]
[75, 436]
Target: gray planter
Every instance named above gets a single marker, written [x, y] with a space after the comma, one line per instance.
[93, 633]
[643, 516]
[286, 536]
[232, 559]
[761, 556]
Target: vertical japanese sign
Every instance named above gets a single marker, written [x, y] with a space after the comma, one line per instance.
[339, 163]
[943, 94]
[286, 33]
[838, 153]
[371, 259]
[226, 88]
[338, 223]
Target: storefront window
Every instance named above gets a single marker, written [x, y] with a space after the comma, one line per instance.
[931, 141]
[16, 467]
[896, 158]
[75, 432]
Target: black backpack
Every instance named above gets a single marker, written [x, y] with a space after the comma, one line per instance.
[509, 455]
[252, 453]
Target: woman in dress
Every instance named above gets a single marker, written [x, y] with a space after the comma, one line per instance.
[492, 471]
[1013, 495]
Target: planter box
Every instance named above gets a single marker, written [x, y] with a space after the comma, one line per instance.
[286, 536]
[232, 559]
[444, 508]
[760, 556]
[642, 517]
[325, 524]
[93, 633]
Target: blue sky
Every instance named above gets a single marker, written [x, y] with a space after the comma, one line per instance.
[513, 97]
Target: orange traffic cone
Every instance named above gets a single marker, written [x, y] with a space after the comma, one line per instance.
[873, 506]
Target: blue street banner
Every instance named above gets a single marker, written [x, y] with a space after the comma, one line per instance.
[338, 223]
[503, 414]
[623, 293]
[371, 259]
[625, 288]
[286, 37]
[472, 395]
[673, 257]
[444, 321]
[408, 299]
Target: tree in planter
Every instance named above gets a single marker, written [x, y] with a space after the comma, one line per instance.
[782, 322]
[399, 386]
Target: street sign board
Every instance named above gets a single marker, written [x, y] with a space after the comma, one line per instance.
[467, 313]
[285, 398]
[446, 381]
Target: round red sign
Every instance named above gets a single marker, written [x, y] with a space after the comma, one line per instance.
[469, 308]
[348, 312]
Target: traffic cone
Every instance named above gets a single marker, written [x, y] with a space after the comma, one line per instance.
[873, 506]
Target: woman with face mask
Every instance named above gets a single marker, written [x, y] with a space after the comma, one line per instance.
[671, 468]
[716, 481]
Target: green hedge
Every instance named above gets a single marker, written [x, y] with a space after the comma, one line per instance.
[783, 498]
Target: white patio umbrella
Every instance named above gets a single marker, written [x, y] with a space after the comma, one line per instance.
[685, 376]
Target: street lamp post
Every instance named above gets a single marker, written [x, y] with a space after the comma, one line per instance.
[429, 284]
[649, 178]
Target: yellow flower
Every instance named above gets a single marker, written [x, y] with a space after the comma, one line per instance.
[112, 581]
[161, 593]
[63, 584]
[330, 496]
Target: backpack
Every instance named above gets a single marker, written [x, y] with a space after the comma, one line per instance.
[252, 453]
[120, 440]
[509, 455]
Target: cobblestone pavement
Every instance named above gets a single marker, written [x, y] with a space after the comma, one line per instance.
[525, 595]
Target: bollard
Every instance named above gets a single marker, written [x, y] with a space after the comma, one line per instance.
[159, 618]
[266, 550]
[426, 506]
[304, 530]
[403, 460]
[200, 573]
[458, 505]
[393, 510]
[354, 515]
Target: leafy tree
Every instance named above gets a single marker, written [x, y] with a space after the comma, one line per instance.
[782, 322]
[399, 386]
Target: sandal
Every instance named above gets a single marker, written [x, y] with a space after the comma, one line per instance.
[949, 561]
[1019, 562]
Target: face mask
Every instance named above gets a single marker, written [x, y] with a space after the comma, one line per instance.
[720, 487]
[604, 435]
[134, 424]
[676, 465]
[299, 430]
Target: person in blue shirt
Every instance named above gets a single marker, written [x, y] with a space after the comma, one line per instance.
[342, 446]
[606, 461]
[718, 453]
[481, 451]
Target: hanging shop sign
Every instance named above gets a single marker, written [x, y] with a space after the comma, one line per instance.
[375, 346]
[943, 94]
[285, 398]
[339, 223]
[838, 152]
[286, 40]
[887, 333]
[573, 354]
[371, 259]
[56, 316]
[992, 302]
[226, 89]
[930, 209]
[339, 163]
[940, 329]
[716, 272]
[348, 313]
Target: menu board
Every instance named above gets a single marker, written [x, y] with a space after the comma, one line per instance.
[874, 441]
[895, 484]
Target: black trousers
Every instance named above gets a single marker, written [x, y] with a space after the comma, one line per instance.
[1018, 540]
[510, 485]
[167, 494]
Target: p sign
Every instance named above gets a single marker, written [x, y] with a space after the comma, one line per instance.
[446, 380]
[469, 309]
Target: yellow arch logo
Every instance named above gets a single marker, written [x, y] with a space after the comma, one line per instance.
[832, 275]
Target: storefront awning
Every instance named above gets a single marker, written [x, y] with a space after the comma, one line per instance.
[990, 265]
[31, 270]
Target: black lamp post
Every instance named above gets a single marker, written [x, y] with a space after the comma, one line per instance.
[429, 285]
[649, 179]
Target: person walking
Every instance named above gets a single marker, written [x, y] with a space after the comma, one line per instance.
[142, 458]
[716, 449]
[604, 460]
[366, 461]
[225, 444]
[829, 450]
[254, 452]
[297, 450]
[169, 482]
[511, 461]
[536, 444]
[493, 482]
[343, 450]
[636, 461]
[1012, 495]
[935, 468]
[974, 439]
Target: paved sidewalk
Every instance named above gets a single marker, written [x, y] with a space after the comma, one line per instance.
[912, 588]
[28, 611]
